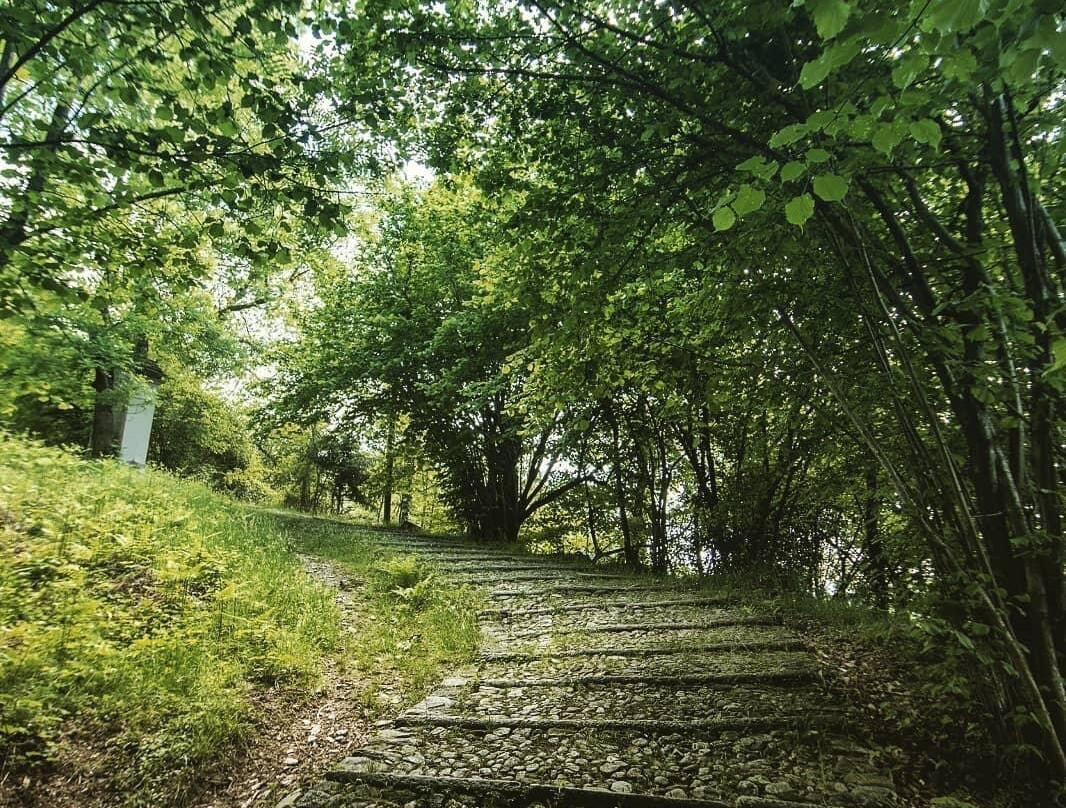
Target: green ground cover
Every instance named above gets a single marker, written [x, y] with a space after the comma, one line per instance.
[140, 616]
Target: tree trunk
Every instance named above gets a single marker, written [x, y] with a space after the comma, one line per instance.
[632, 555]
[103, 438]
[390, 466]
[874, 547]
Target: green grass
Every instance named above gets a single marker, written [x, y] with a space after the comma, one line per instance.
[412, 625]
[140, 615]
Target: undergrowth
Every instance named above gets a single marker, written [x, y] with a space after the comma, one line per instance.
[140, 615]
[413, 625]
[919, 689]
[137, 615]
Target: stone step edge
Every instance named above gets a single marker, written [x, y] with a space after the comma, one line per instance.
[518, 792]
[459, 553]
[474, 565]
[613, 604]
[493, 576]
[705, 648]
[702, 726]
[774, 678]
[686, 625]
[513, 561]
[567, 589]
[515, 791]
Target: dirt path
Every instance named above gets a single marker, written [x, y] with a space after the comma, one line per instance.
[603, 690]
[297, 740]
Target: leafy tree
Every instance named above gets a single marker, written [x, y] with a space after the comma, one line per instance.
[872, 187]
[406, 329]
[156, 157]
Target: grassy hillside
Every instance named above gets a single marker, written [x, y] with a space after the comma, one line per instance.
[140, 615]
[141, 610]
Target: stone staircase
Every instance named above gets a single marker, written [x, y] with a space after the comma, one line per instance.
[615, 691]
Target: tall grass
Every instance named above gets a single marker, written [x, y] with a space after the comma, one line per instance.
[138, 612]
[412, 624]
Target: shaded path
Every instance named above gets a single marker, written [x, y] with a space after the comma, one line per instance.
[599, 689]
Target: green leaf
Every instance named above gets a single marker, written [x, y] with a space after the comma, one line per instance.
[1022, 66]
[926, 131]
[799, 209]
[909, 68]
[955, 16]
[792, 170]
[815, 72]
[748, 200]
[767, 171]
[960, 65]
[817, 156]
[830, 187]
[830, 16]
[790, 134]
[821, 119]
[752, 164]
[759, 166]
[843, 51]
[724, 218]
[1058, 352]
[886, 138]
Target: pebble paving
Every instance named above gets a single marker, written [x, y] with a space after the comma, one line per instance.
[596, 688]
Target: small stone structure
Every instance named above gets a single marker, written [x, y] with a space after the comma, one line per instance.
[133, 422]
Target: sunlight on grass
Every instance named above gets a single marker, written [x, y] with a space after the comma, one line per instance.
[139, 615]
[412, 624]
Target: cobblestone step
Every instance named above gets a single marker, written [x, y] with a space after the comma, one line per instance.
[780, 644]
[667, 620]
[738, 631]
[649, 701]
[691, 728]
[460, 552]
[465, 565]
[648, 601]
[679, 664]
[779, 678]
[719, 765]
[553, 577]
[575, 589]
[610, 691]
[481, 792]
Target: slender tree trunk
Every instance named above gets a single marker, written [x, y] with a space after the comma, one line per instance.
[103, 439]
[874, 547]
[390, 467]
[632, 556]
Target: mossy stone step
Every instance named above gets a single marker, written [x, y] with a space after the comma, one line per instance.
[777, 644]
[648, 602]
[491, 793]
[667, 620]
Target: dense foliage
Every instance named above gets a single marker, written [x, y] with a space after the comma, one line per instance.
[785, 283]
[745, 289]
